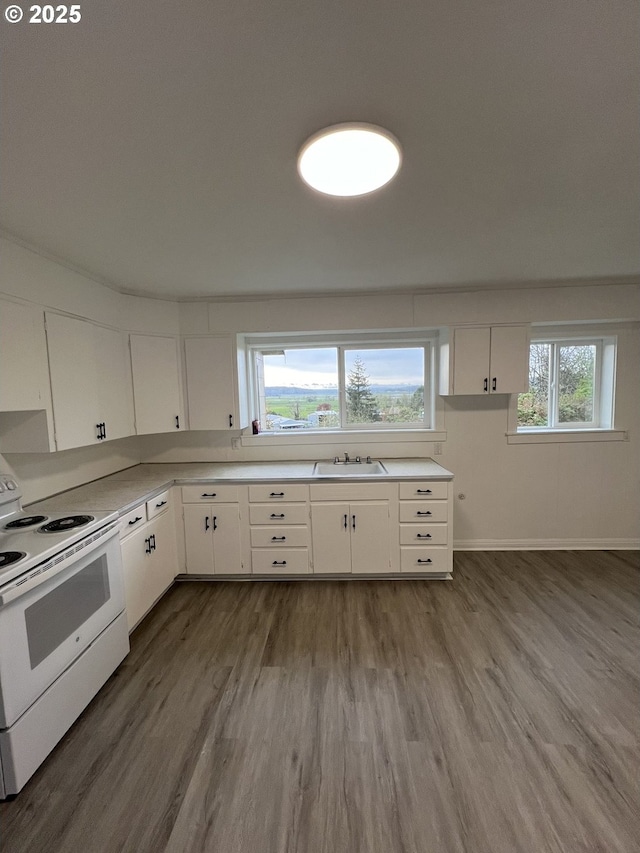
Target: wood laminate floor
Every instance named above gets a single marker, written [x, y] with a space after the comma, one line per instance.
[497, 713]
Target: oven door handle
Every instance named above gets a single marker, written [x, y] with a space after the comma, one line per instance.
[49, 569]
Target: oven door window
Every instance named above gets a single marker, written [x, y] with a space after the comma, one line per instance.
[53, 618]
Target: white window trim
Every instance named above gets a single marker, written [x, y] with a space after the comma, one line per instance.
[356, 433]
[604, 396]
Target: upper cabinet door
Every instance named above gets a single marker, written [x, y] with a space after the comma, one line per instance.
[471, 360]
[156, 384]
[74, 380]
[509, 365]
[115, 392]
[23, 358]
[210, 369]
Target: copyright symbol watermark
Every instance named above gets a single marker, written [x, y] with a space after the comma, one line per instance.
[13, 14]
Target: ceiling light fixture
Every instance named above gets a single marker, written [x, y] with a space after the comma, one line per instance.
[349, 159]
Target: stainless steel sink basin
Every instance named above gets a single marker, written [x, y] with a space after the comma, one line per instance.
[349, 469]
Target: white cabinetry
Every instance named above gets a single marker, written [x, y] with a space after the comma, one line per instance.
[279, 528]
[156, 384]
[149, 555]
[213, 539]
[485, 360]
[351, 535]
[26, 417]
[90, 382]
[425, 532]
[212, 390]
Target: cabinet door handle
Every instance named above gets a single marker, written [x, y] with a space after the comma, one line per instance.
[101, 432]
[276, 563]
[423, 536]
[209, 495]
[148, 549]
[104, 430]
[353, 522]
[486, 383]
[152, 541]
[230, 421]
[278, 538]
[346, 522]
[215, 522]
[177, 421]
[424, 492]
[427, 512]
[276, 494]
[276, 515]
[206, 523]
[425, 561]
[162, 503]
[136, 519]
[494, 384]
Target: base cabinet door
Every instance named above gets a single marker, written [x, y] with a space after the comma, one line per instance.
[370, 537]
[213, 539]
[135, 560]
[331, 538]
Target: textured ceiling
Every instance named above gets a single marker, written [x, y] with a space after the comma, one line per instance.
[154, 144]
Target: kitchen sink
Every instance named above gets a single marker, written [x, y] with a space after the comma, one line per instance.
[349, 469]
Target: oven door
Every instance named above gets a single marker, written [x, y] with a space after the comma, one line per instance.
[45, 628]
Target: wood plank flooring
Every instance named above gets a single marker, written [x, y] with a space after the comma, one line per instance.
[497, 713]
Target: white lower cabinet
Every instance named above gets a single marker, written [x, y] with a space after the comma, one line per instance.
[149, 558]
[351, 537]
[213, 539]
[279, 529]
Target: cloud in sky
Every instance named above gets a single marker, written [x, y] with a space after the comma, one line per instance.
[307, 367]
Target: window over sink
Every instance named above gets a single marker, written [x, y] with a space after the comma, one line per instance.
[342, 383]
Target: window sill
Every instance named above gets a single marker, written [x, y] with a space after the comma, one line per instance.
[344, 438]
[566, 435]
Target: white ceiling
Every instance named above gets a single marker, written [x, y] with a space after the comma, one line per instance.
[154, 144]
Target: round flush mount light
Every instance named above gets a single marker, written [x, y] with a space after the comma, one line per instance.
[349, 159]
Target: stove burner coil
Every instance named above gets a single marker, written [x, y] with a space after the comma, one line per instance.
[9, 557]
[69, 522]
[29, 521]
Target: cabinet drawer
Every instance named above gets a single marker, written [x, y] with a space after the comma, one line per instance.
[427, 534]
[132, 520]
[425, 560]
[352, 491]
[288, 561]
[280, 514]
[435, 490]
[279, 537]
[160, 503]
[278, 492]
[209, 494]
[423, 511]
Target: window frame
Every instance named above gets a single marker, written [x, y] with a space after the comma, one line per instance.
[342, 342]
[601, 427]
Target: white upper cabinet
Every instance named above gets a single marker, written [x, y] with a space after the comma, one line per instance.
[485, 360]
[156, 384]
[212, 390]
[90, 382]
[24, 376]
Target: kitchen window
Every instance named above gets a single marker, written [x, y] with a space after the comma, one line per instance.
[307, 384]
[571, 386]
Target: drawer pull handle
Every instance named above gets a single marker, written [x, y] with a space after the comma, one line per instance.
[209, 495]
[162, 503]
[276, 495]
[276, 515]
[428, 512]
[423, 536]
[278, 538]
[425, 561]
[136, 519]
[276, 563]
[424, 492]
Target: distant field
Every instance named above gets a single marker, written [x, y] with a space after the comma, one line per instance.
[287, 405]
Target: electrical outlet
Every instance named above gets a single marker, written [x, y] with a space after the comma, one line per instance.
[235, 443]
[437, 449]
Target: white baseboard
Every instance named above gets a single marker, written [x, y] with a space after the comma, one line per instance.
[546, 544]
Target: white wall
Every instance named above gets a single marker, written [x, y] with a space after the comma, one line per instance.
[575, 494]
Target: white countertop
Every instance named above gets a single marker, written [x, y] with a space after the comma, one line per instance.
[123, 490]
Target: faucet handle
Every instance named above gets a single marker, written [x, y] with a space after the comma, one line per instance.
[358, 459]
